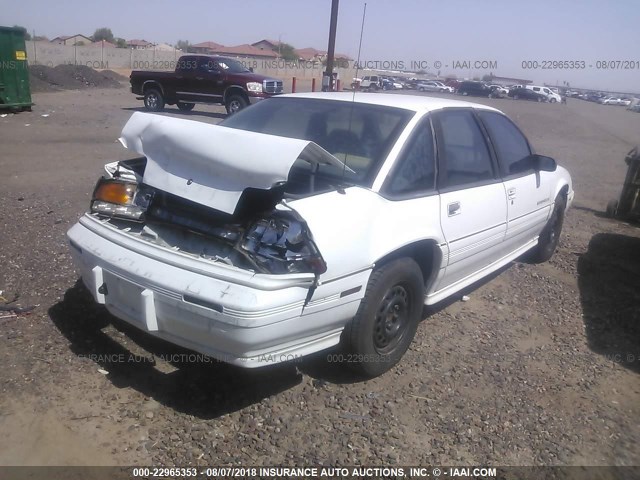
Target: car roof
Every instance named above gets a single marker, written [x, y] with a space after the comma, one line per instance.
[416, 103]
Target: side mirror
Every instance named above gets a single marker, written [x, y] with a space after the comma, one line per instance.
[543, 164]
[538, 163]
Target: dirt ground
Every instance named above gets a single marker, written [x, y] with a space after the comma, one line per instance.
[540, 367]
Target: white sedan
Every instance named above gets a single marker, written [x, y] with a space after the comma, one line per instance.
[311, 220]
[615, 101]
[434, 86]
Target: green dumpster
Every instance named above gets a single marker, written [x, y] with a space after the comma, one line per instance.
[15, 93]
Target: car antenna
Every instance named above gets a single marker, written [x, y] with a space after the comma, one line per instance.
[353, 98]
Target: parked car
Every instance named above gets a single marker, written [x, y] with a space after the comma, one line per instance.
[429, 86]
[371, 82]
[443, 88]
[478, 89]
[203, 79]
[615, 101]
[455, 84]
[311, 220]
[498, 92]
[526, 94]
[549, 95]
[386, 84]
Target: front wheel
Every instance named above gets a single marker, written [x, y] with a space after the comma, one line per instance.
[386, 322]
[153, 100]
[186, 107]
[553, 100]
[235, 103]
[550, 235]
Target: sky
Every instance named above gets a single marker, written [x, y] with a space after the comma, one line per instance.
[407, 32]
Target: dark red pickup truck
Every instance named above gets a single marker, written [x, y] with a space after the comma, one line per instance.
[203, 79]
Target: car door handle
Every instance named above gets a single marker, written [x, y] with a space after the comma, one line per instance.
[511, 193]
[453, 209]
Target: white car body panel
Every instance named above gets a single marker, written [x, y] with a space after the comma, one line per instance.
[208, 164]
[529, 201]
[474, 222]
[367, 218]
[252, 319]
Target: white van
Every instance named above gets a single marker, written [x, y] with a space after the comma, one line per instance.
[552, 96]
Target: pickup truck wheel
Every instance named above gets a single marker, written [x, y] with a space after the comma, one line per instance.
[185, 107]
[550, 235]
[153, 100]
[553, 100]
[235, 103]
[386, 322]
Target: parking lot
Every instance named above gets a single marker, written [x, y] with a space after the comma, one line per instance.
[540, 366]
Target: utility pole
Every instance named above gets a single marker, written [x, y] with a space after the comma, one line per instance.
[328, 80]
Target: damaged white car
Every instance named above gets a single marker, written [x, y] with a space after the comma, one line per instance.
[310, 220]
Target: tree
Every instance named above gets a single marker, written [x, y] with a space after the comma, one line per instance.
[41, 38]
[103, 33]
[184, 45]
[286, 51]
[27, 35]
[121, 43]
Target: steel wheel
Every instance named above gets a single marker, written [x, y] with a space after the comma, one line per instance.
[386, 321]
[391, 320]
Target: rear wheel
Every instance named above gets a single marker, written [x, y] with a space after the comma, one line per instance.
[153, 100]
[386, 322]
[235, 103]
[550, 235]
[185, 107]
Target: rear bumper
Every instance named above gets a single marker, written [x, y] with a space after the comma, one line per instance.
[234, 316]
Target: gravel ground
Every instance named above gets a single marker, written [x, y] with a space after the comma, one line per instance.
[540, 367]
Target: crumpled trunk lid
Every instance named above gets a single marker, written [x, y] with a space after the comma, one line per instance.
[213, 165]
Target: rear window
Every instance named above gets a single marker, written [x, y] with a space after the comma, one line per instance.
[358, 134]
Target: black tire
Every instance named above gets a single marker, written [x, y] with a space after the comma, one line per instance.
[235, 103]
[153, 100]
[553, 100]
[612, 208]
[550, 235]
[185, 107]
[386, 322]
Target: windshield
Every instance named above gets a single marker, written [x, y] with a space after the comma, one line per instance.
[359, 134]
